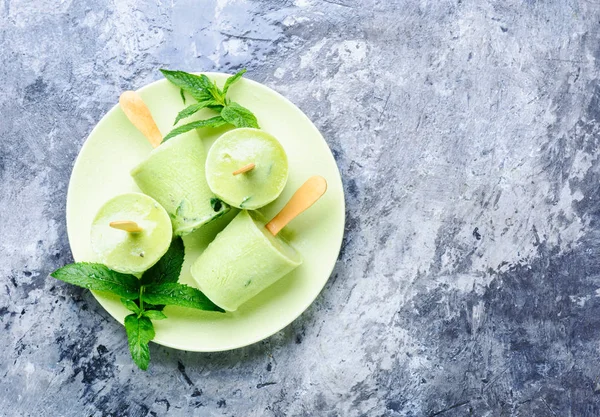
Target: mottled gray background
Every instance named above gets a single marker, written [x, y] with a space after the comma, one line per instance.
[466, 133]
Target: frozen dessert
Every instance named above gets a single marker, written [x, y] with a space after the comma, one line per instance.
[131, 252]
[244, 259]
[247, 168]
[174, 175]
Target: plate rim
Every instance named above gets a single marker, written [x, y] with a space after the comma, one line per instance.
[302, 310]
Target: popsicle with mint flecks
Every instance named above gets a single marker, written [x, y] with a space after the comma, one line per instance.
[249, 255]
[247, 168]
[174, 172]
[131, 246]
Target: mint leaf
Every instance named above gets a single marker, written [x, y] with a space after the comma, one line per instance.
[168, 268]
[140, 331]
[130, 305]
[212, 122]
[209, 95]
[216, 93]
[216, 203]
[98, 277]
[182, 94]
[232, 80]
[239, 116]
[188, 111]
[198, 86]
[179, 295]
[155, 315]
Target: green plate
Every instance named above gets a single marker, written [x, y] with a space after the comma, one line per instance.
[114, 147]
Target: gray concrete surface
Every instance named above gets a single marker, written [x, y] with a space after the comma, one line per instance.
[467, 135]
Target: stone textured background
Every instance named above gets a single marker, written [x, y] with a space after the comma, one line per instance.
[466, 133]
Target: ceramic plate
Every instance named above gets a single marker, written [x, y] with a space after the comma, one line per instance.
[114, 147]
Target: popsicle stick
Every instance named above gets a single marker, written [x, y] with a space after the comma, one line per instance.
[127, 225]
[138, 113]
[245, 168]
[302, 199]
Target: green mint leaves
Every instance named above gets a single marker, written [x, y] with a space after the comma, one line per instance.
[208, 95]
[168, 268]
[173, 293]
[189, 110]
[239, 116]
[140, 332]
[98, 277]
[232, 80]
[144, 297]
[216, 121]
[196, 85]
[155, 315]
[131, 305]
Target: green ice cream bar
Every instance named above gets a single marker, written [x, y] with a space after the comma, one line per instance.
[243, 260]
[131, 253]
[257, 187]
[173, 174]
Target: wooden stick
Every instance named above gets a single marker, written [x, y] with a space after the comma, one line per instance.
[302, 199]
[126, 225]
[245, 168]
[138, 113]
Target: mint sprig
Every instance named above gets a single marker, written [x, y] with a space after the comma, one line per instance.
[238, 116]
[155, 314]
[216, 121]
[190, 110]
[98, 277]
[209, 95]
[144, 297]
[140, 332]
[231, 80]
[196, 85]
[173, 293]
[168, 268]
[131, 305]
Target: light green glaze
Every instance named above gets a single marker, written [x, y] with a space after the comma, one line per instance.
[173, 174]
[242, 261]
[317, 234]
[131, 253]
[253, 189]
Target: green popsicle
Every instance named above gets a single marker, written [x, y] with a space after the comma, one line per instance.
[173, 174]
[259, 155]
[249, 255]
[131, 252]
[243, 260]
